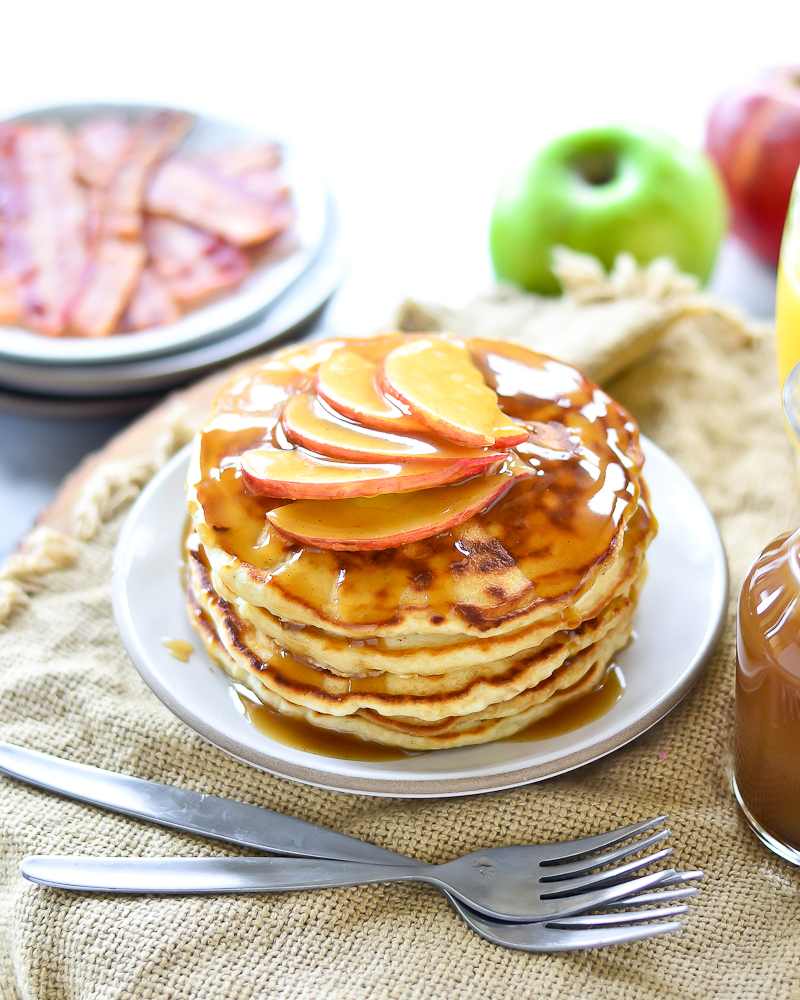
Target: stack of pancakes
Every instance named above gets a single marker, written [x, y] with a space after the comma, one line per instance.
[463, 637]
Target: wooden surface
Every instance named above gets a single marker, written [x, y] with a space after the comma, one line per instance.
[136, 439]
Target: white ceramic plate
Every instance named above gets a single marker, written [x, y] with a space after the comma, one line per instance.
[677, 625]
[305, 298]
[287, 258]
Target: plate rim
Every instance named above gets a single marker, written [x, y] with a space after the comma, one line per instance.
[511, 777]
[28, 347]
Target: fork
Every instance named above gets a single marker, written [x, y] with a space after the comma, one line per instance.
[577, 933]
[130, 875]
[589, 930]
[488, 881]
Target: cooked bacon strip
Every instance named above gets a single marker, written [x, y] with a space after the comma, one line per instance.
[244, 159]
[112, 277]
[13, 263]
[10, 298]
[252, 169]
[10, 185]
[173, 246]
[190, 191]
[53, 227]
[225, 266]
[152, 140]
[100, 145]
[265, 185]
[191, 261]
[122, 159]
[151, 305]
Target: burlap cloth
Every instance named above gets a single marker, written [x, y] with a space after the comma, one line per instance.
[68, 687]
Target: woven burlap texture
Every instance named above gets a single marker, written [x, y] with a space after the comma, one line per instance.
[67, 687]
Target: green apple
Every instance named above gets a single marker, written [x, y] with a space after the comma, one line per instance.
[602, 191]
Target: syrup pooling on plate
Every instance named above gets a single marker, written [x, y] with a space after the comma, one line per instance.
[578, 713]
[584, 485]
[312, 739]
[180, 649]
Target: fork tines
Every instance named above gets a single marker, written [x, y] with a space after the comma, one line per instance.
[588, 870]
[572, 850]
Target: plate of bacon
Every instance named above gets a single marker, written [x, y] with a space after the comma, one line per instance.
[130, 232]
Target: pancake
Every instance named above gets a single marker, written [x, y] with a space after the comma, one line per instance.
[434, 654]
[462, 637]
[429, 698]
[574, 679]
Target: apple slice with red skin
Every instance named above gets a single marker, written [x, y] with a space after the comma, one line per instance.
[309, 423]
[298, 474]
[348, 383]
[384, 522]
[442, 386]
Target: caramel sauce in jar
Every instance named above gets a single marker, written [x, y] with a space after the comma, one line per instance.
[767, 767]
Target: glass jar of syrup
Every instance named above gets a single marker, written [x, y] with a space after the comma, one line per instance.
[767, 766]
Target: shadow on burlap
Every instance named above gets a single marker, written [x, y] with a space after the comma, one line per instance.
[67, 687]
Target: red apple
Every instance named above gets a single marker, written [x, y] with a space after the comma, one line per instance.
[298, 474]
[754, 137]
[383, 522]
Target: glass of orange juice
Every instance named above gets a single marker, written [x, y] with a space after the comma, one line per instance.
[787, 307]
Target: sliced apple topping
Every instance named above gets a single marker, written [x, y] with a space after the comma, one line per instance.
[298, 474]
[308, 422]
[373, 443]
[348, 383]
[382, 522]
[442, 386]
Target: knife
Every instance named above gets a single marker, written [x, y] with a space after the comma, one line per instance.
[193, 812]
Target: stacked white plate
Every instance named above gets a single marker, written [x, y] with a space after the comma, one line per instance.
[283, 295]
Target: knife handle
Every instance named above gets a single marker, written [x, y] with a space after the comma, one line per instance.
[203, 876]
[193, 812]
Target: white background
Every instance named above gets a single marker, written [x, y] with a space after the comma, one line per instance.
[412, 111]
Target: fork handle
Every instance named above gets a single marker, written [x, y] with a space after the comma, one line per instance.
[203, 876]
